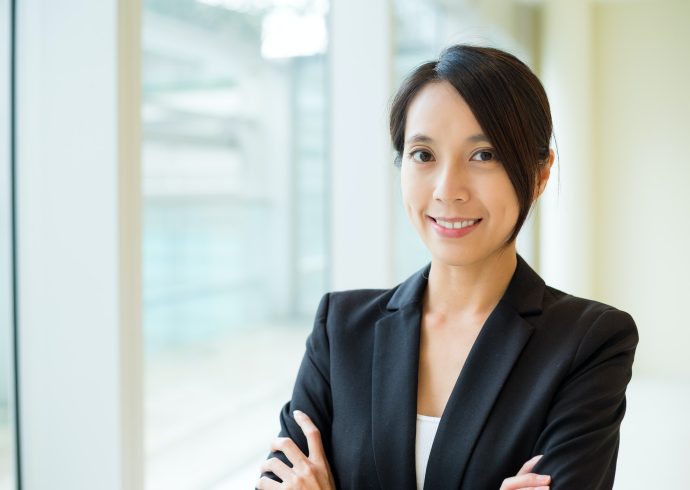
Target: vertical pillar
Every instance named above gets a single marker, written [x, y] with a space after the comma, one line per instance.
[361, 172]
[7, 358]
[5, 205]
[566, 208]
[79, 208]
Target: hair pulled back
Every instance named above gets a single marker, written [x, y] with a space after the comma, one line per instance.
[508, 101]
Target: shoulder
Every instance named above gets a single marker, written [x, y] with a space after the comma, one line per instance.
[362, 298]
[363, 307]
[560, 317]
[345, 320]
[577, 311]
[355, 305]
[587, 325]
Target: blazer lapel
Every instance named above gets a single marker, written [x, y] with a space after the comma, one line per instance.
[394, 398]
[487, 366]
[395, 377]
[483, 375]
[394, 385]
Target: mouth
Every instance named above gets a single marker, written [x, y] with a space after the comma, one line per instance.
[455, 223]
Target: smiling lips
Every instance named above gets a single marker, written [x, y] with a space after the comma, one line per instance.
[454, 227]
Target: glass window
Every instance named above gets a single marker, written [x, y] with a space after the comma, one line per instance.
[234, 251]
[8, 472]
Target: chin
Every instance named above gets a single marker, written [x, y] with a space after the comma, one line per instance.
[468, 255]
[457, 259]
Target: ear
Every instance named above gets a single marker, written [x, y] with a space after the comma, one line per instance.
[544, 173]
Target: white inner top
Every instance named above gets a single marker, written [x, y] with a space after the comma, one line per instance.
[426, 431]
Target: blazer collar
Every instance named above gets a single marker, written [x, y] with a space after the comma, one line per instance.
[525, 290]
[395, 376]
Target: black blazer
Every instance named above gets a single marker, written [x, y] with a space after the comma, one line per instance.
[546, 375]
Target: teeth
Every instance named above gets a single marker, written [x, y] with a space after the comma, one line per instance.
[457, 225]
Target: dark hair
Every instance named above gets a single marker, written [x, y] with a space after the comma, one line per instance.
[506, 98]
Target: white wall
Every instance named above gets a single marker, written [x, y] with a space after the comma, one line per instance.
[615, 228]
[642, 178]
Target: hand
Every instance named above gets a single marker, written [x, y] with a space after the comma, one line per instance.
[307, 473]
[525, 480]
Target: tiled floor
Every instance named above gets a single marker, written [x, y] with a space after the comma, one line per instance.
[211, 412]
[6, 448]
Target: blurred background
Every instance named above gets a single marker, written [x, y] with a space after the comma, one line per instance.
[181, 181]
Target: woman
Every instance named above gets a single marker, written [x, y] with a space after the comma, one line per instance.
[517, 384]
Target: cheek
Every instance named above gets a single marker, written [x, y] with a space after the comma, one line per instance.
[407, 189]
[510, 204]
[502, 199]
[413, 199]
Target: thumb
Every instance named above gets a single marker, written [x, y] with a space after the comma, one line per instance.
[527, 467]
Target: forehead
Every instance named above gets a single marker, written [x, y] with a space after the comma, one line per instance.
[439, 111]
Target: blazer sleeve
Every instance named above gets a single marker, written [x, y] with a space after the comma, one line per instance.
[581, 436]
[312, 391]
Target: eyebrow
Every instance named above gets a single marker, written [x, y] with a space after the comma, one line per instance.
[476, 138]
[423, 138]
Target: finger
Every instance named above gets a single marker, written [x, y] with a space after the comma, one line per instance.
[288, 447]
[280, 469]
[313, 434]
[265, 483]
[534, 488]
[530, 480]
[527, 467]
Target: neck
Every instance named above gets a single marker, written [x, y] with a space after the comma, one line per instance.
[472, 289]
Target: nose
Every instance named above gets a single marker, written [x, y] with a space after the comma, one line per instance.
[452, 183]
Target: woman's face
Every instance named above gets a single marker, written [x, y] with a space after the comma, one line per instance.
[456, 193]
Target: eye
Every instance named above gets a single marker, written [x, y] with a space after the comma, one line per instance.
[483, 156]
[421, 156]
